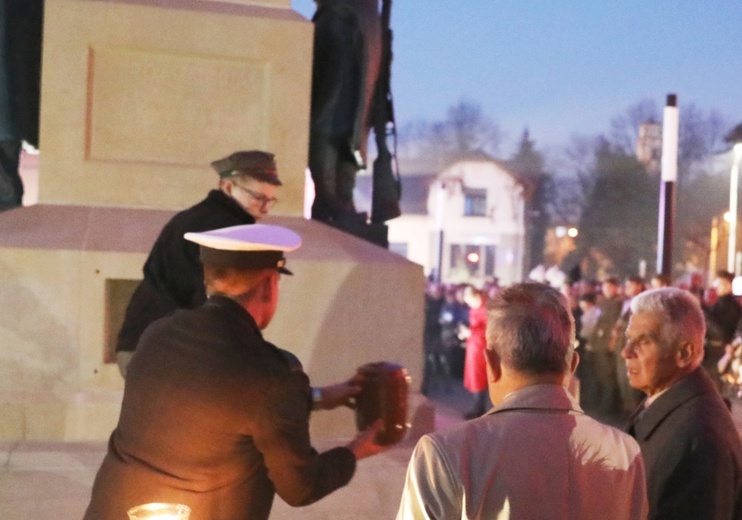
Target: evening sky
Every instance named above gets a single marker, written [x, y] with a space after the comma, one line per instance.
[562, 67]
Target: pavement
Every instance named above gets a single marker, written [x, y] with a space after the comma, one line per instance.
[52, 480]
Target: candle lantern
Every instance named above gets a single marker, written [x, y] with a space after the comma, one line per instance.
[160, 511]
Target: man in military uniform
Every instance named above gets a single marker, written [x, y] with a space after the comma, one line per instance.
[173, 275]
[214, 417]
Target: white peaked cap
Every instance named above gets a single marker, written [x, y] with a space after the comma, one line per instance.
[248, 237]
[250, 246]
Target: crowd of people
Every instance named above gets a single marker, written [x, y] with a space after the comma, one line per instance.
[528, 449]
[679, 455]
[602, 310]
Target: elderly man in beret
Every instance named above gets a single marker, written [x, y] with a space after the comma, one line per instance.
[173, 275]
[213, 416]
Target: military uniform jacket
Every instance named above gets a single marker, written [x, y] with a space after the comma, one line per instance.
[213, 417]
[173, 274]
[692, 453]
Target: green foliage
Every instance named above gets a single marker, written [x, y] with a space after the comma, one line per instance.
[528, 164]
[618, 227]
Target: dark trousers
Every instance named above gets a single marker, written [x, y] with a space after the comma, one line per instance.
[607, 398]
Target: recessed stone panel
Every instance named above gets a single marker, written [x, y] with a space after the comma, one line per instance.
[147, 106]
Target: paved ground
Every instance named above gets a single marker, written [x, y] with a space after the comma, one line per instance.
[52, 480]
[48, 480]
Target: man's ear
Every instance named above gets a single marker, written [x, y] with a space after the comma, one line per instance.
[494, 368]
[575, 361]
[226, 185]
[266, 289]
[684, 355]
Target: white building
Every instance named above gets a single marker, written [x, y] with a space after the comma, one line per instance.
[467, 221]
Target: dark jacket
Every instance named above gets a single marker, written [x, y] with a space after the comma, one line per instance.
[722, 320]
[215, 418]
[173, 274]
[692, 453]
[610, 313]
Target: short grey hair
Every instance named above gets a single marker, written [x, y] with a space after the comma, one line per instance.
[683, 317]
[531, 328]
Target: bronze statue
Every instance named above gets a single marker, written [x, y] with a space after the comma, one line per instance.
[20, 83]
[351, 54]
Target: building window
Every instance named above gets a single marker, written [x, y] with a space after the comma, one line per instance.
[472, 260]
[475, 203]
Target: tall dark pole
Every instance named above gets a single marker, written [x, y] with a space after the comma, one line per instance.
[667, 188]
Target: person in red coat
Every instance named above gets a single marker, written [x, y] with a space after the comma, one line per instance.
[475, 370]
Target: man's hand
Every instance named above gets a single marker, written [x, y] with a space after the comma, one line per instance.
[365, 445]
[341, 394]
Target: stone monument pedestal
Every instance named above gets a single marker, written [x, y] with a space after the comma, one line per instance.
[138, 97]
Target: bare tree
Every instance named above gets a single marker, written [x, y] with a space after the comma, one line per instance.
[625, 127]
[465, 129]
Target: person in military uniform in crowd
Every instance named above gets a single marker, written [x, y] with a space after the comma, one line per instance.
[722, 321]
[604, 358]
[630, 397]
[213, 416]
[173, 275]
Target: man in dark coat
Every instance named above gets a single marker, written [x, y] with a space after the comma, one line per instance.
[173, 275]
[722, 320]
[691, 449]
[213, 416]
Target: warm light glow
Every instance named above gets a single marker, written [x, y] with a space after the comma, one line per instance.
[473, 257]
[160, 511]
[572, 232]
[727, 216]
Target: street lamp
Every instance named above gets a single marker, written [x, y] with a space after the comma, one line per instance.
[735, 139]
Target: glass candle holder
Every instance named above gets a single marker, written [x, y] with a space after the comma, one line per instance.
[160, 511]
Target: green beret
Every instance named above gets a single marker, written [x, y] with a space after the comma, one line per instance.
[259, 165]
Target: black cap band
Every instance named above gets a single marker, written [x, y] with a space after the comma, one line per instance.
[244, 259]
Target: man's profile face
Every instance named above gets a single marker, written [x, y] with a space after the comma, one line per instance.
[723, 286]
[255, 197]
[632, 288]
[609, 289]
[650, 367]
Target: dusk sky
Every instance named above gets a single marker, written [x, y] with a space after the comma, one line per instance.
[562, 67]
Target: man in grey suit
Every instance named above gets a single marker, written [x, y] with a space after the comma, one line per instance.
[691, 450]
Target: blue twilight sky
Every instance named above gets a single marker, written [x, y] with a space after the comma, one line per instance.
[562, 67]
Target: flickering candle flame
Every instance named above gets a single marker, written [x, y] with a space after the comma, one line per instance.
[160, 511]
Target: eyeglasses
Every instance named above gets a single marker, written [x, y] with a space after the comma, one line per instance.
[258, 197]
